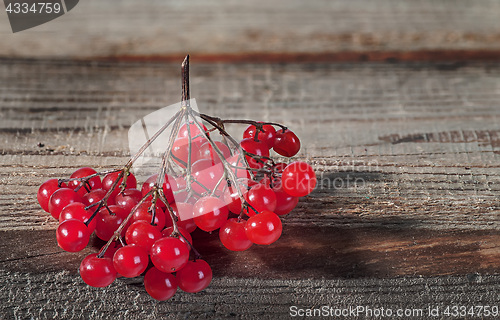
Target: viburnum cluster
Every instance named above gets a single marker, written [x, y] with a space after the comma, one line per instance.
[207, 180]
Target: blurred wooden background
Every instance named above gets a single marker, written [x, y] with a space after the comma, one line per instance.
[222, 29]
[396, 102]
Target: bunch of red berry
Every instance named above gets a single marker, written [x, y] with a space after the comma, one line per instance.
[203, 183]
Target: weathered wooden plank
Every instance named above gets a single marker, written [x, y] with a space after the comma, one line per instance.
[408, 140]
[393, 249]
[166, 28]
[407, 203]
[63, 296]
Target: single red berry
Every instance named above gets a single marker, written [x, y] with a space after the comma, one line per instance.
[72, 235]
[167, 232]
[286, 143]
[160, 285]
[128, 199]
[267, 135]
[210, 213]
[233, 236]
[284, 202]
[169, 254]
[142, 234]
[45, 192]
[261, 198]
[298, 179]
[206, 175]
[96, 195]
[142, 213]
[130, 261]
[257, 148]
[97, 272]
[180, 151]
[207, 151]
[76, 210]
[108, 222]
[195, 276]
[109, 180]
[93, 183]
[60, 199]
[193, 131]
[264, 228]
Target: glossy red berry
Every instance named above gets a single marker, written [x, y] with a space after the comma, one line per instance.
[180, 150]
[210, 213]
[60, 199]
[284, 202]
[108, 222]
[298, 179]
[195, 276]
[45, 192]
[267, 135]
[76, 210]
[206, 175]
[286, 143]
[233, 236]
[142, 213]
[142, 234]
[93, 183]
[128, 199]
[194, 132]
[109, 180]
[263, 228]
[97, 272]
[72, 235]
[130, 261]
[261, 198]
[169, 254]
[257, 148]
[160, 285]
[95, 196]
[207, 151]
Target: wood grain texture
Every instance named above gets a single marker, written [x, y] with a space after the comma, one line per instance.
[61, 295]
[405, 214]
[165, 28]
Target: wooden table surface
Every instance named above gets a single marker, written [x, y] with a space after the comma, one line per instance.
[406, 212]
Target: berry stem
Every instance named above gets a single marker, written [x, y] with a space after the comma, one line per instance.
[185, 81]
